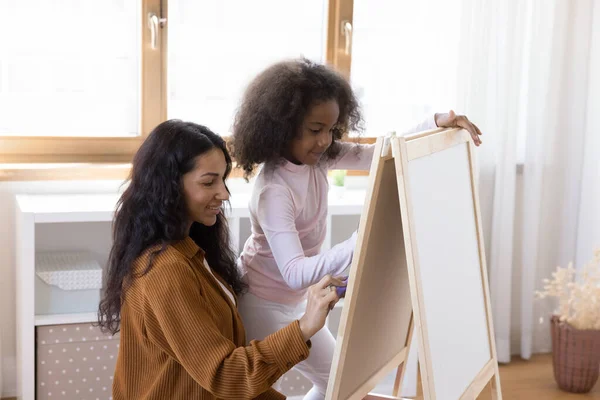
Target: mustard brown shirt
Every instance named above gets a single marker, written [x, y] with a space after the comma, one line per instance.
[182, 337]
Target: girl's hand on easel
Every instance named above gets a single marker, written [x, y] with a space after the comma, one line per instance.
[321, 297]
[451, 120]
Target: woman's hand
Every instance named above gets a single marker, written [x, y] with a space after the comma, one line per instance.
[451, 120]
[321, 298]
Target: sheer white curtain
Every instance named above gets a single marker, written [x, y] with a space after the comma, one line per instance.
[526, 77]
[588, 234]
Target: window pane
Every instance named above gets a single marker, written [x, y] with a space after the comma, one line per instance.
[70, 67]
[217, 46]
[404, 60]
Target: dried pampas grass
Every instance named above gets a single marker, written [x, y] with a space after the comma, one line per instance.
[578, 294]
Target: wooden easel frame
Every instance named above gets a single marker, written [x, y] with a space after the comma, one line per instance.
[403, 150]
[382, 153]
[407, 149]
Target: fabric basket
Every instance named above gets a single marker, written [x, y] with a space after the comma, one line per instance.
[575, 356]
[75, 361]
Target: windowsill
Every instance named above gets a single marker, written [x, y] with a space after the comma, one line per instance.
[59, 172]
[84, 171]
[93, 171]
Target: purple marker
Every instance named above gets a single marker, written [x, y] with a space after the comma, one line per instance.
[341, 290]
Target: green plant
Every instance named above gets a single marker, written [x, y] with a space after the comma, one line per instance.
[338, 177]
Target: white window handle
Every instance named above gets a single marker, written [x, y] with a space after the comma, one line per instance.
[153, 24]
[347, 33]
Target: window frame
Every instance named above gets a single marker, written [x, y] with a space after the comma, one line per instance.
[110, 157]
[69, 149]
[340, 12]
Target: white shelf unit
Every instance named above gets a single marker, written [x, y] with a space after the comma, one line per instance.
[37, 215]
[55, 217]
[58, 319]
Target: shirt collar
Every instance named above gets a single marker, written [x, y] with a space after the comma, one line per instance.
[188, 247]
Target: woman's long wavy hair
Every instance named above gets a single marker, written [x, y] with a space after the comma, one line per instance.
[152, 211]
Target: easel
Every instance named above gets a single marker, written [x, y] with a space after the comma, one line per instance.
[387, 276]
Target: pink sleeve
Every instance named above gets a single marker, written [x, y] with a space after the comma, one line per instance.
[354, 156]
[359, 156]
[276, 217]
[424, 125]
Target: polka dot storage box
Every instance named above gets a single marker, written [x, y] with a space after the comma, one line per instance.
[75, 362]
[66, 282]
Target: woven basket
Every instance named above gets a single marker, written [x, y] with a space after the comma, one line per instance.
[575, 357]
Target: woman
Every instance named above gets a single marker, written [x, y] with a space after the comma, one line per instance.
[172, 282]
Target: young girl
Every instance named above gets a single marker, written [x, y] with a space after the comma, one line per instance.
[172, 282]
[292, 118]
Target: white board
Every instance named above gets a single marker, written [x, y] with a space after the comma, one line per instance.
[448, 264]
[436, 244]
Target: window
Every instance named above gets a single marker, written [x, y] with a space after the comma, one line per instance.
[85, 81]
[78, 80]
[69, 70]
[217, 46]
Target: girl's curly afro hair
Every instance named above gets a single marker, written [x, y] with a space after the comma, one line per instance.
[275, 104]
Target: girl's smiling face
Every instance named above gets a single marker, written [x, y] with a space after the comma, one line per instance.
[315, 134]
